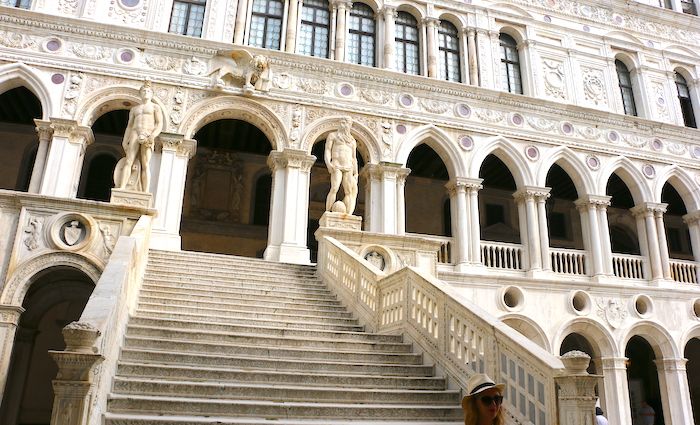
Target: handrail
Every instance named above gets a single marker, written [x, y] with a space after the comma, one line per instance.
[458, 335]
[684, 271]
[502, 255]
[628, 266]
[568, 261]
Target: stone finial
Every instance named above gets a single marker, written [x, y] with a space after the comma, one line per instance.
[576, 362]
[80, 337]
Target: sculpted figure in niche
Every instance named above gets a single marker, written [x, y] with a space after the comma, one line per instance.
[145, 124]
[341, 160]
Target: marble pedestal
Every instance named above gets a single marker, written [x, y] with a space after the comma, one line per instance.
[340, 221]
[131, 197]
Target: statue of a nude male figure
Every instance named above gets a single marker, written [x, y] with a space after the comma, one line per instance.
[341, 160]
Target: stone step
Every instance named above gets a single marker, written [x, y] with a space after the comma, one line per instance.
[339, 365]
[249, 308]
[219, 271]
[200, 284]
[274, 409]
[264, 319]
[223, 330]
[194, 257]
[288, 393]
[218, 350]
[164, 289]
[262, 376]
[131, 419]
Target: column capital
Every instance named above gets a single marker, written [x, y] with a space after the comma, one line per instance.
[671, 365]
[648, 208]
[429, 21]
[71, 130]
[614, 363]
[464, 184]
[383, 169]
[176, 142]
[291, 158]
[597, 201]
[389, 10]
[341, 4]
[43, 128]
[9, 314]
[692, 217]
[532, 192]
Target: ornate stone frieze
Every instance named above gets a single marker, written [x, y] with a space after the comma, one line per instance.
[89, 51]
[313, 86]
[554, 81]
[489, 115]
[378, 97]
[594, 86]
[130, 15]
[16, 40]
[435, 106]
[541, 124]
[635, 141]
[161, 63]
[69, 7]
[194, 66]
[312, 114]
[282, 81]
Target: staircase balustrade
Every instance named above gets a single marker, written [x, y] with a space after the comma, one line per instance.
[568, 261]
[684, 271]
[502, 255]
[460, 337]
[628, 266]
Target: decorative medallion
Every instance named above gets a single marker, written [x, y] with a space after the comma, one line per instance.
[593, 162]
[466, 142]
[401, 129]
[126, 56]
[88, 51]
[532, 153]
[593, 86]
[346, 89]
[516, 119]
[53, 45]
[376, 259]
[696, 152]
[377, 97]
[657, 144]
[72, 232]
[612, 310]
[463, 110]
[406, 100]
[58, 78]
[547, 19]
[613, 136]
[567, 128]
[554, 84]
[434, 106]
[649, 171]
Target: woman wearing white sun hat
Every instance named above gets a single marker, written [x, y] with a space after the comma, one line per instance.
[482, 403]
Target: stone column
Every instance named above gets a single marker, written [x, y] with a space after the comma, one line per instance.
[73, 385]
[594, 222]
[289, 208]
[640, 81]
[175, 152]
[530, 197]
[9, 318]
[65, 158]
[431, 45]
[460, 222]
[663, 244]
[645, 212]
[241, 17]
[401, 201]
[485, 61]
[383, 200]
[472, 58]
[45, 132]
[541, 199]
[605, 246]
[341, 7]
[21, 357]
[617, 402]
[675, 391]
[292, 23]
[576, 390]
[389, 13]
[473, 187]
[693, 222]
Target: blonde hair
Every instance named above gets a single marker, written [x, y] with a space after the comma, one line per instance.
[471, 414]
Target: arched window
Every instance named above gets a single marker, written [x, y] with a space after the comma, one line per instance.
[407, 52]
[450, 66]
[362, 35]
[688, 6]
[510, 65]
[266, 24]
[623, 76]
[315, 27]
[187, 17]
[666, 4]
[22, 4]
[686, 103]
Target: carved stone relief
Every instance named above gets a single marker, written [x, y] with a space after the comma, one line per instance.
[69, 7]
[72, 94]
[194, 66]
[217, 187]
[435, 106]
[377, 97]
[554, 81]
[89, 51]
[594, 86]
[32, 231]
[313, 86]
[128, 15]
[659, 99]
[613, 310]
[160, 63]
[16, 40]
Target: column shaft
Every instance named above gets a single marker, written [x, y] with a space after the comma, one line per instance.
[460, 224]
[45, 132]
[472, 57]
[241, 17]
[652, 241]
[292, 22]
[65, 158]
[663, 244]
[532, 225]
[340, 31]
[431, 46]
[606, 247]
[475, 234]
[617, 403]
[544, 237]
[389, 37]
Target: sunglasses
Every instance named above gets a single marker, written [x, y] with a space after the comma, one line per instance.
[487, 400]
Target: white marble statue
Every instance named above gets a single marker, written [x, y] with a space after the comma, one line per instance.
[145, 124]
[341, 160]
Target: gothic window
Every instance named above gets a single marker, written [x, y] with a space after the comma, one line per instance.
[22, 4]
[187, 17]
[623, 76]
[362, 35]
[407, 51]
[686, 103]
[266, 24]
[449, 52]
[510, 65]
[315, 27]
[688, 6]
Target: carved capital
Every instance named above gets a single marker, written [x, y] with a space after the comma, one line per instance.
[692, 218]
[383, 170]
[430, 22]
[389, 11]
[532, 192]
[671, 365]
[70, 130]
[464, 185]
[291, 158]
[649, 209]
[9, 314]
[177, 143]
[614, 363]
[593, 201]
[341, 4]
[74, 366]
[44, 130]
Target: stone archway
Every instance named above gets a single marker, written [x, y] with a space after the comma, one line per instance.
[56, 297]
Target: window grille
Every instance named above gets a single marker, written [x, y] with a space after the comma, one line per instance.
[266, 24]
[625, 80]
[187, 17]
[407, 45]
[450, 66]
[362, 35]
[315, 28]
[511, 80]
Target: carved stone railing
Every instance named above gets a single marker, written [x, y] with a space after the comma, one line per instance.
[628, 266]
[502, 255]
[684, 271]
[444, 254]
[459, 337]
[568, 261]
[98, 334]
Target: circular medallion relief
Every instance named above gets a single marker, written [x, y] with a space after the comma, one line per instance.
[648, 170]
[72, 231]
[532, 153]
[376, 259]
[346, 90]
[406, 100]
[466, 143]
[401, 129]
[130, 3]
[657, 144]
[567, 128]
[58, 78]
[53, 45]
[547, 18]
[613, 136]
[516, 119]
[593, 162]
[463, 110]
[696, 152]
[125, 56]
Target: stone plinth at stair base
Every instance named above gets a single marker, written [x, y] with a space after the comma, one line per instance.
[131, 197]
[340, 221]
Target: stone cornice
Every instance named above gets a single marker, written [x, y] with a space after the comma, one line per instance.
[49, 203]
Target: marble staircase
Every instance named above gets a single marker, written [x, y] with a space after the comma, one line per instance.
[228, 340]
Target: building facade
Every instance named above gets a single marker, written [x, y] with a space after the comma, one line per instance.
[550, 147]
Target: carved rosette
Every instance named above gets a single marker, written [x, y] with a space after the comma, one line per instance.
[594, 86]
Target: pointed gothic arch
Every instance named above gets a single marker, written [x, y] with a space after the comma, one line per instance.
[630, 175]
[505, 150]
[438, 140]
[569, 162]
[18, 74]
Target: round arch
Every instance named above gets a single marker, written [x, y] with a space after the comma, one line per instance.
[569, 162]
[528, 328]
[18, 283]
[630, 175]
[368, 145]
[373, 4]
[238, 108]
[598, 336]
[18, 74]
[439, 141]
[693, 332]
[504, 150]
[414, 10]
[658, 338]
[108, 100]
[517, 33]
[684, 184]
[684, 71]
[455, 20]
